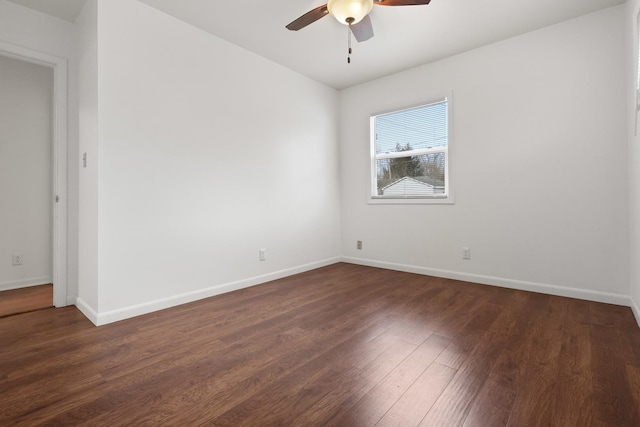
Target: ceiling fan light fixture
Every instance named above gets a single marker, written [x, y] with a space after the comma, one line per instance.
[342, 10]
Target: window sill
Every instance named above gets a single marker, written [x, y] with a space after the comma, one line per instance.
[411, 201]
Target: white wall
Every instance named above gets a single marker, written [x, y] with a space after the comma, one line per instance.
[539, 151]
[23, 27]
[207, 153]
[25, 173]
[632, 8]
[34, 30]
[87, 48]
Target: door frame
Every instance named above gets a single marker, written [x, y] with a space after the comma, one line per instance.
[59, 160]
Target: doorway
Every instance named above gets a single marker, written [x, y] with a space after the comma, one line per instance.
[34, 240]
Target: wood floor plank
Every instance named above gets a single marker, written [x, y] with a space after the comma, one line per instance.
[492, 406]
[574, 383]
[26, 299]
[534, 404]
[633, 374]
[490, 337]
[467, 336]
[320, 377]
[368, 378]
[613, 402]
[340, 345]
[230, 377]
[327, 330]
[494, 402]
[36, 327]
[413, 405]
[355, 376]
[373, 405]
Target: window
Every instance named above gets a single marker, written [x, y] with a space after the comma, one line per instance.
[410, 155]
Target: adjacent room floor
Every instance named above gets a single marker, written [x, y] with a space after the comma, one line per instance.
[343, 345]
[26, 299]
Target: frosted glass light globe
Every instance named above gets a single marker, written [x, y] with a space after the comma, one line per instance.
[343, 9]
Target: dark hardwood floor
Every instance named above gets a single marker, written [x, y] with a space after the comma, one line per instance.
[26, 299]
[343, 345]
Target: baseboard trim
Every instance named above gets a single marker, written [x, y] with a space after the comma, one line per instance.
[635, 309]
[542, 288]
[140, 309]
[85, 309]
[25, 283]
[161, 304]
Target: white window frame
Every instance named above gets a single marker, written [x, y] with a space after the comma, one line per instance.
[447, 197]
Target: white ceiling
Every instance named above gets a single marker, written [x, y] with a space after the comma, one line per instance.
[404, 36]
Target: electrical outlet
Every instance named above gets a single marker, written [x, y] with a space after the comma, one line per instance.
[16, 259]
[359, 244]
[262, 254]
[466, 253]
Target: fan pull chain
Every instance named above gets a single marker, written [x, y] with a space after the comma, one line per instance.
[349, 43]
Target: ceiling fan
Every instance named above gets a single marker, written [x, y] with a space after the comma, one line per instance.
[354, 13]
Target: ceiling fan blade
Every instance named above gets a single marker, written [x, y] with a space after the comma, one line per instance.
[308, 18]
[363, 30]
[400, 2]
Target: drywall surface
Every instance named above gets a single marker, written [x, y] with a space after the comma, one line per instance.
[25, 173]
[207, 153]
[34, 30]
[539, 171]
[632, 10]
[87, 39]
